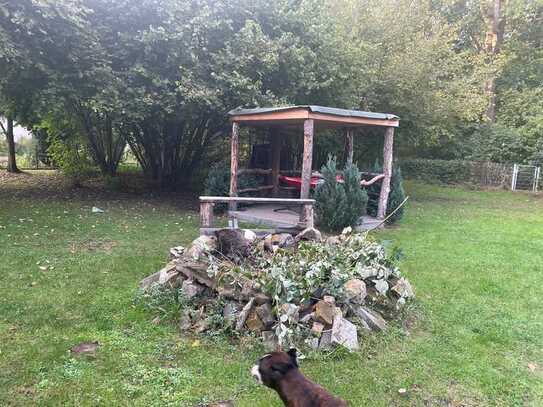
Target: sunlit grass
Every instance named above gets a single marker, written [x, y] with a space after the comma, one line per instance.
[475, 259]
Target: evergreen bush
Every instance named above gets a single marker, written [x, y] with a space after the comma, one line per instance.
[339, 205]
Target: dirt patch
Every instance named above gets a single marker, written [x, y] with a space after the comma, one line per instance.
[105, 246]
[51, 185]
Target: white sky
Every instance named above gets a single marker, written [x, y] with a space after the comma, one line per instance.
[18, 131]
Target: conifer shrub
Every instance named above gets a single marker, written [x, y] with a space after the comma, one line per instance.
[339, 205]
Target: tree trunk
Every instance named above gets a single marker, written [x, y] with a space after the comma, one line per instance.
[495, 25]
[12, 162]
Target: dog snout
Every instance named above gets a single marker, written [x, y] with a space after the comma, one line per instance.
[255, 372]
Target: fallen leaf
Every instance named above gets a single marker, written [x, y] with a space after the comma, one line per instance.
[532, 366]
[85, 347]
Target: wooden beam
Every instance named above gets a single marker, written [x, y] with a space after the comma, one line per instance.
[275, 161]
[254, 171]
[387, 171]
[293, 114]
[309, 128]
[352, 121]
[247, 199]
[349, 146]
[365, 183]
[234, 165]
[299, 115]
[255, 189]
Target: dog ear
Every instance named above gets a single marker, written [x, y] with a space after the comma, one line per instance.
[293, 353]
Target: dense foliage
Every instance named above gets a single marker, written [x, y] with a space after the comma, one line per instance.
[339, 204]
[295, 276]
[160, 75]
[218, 183]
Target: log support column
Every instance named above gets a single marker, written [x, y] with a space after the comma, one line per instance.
[387, 171]
[309, 129]
[275, 161]
[206, 214]
[349, 146]
[232, 206]
[307, 163]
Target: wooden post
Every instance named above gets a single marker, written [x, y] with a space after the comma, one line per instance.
[307, 158]
[206, 214]
[276, 160]
[387, 171]
[349, 146]
[307, 216]
[514, 177]
[234, 165]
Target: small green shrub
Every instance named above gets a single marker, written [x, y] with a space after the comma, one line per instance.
[72, 159]
[339, 205]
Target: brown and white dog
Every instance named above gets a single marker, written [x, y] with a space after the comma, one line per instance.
[279, 371]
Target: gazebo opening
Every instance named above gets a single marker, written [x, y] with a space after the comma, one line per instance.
[275, 210]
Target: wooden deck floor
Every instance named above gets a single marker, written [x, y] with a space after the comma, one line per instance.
[285, 217]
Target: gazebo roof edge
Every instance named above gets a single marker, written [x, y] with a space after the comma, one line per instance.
[315, 109]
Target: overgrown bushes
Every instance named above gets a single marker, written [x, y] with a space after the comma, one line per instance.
[72, 158]
[482, 173]
[339, 204]
[218, 183]
[442, 171]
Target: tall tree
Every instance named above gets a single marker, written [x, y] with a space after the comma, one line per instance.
[10, 139]
[493, 13]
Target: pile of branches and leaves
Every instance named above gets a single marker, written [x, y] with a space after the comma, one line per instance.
[299, 290]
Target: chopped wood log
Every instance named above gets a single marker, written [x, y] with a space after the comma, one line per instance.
[196, 271]
[163, 276]
[244, 314]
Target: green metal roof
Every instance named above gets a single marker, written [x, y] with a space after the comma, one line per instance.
[316, 109]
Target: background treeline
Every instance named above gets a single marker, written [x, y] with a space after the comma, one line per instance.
[95, 76]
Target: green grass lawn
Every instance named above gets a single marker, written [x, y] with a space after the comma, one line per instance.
[475, 337]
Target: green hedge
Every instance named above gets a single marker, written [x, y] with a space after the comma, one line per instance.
[440, 171]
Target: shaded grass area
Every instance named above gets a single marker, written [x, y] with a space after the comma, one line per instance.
[474, 336]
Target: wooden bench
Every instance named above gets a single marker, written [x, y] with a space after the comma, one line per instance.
[306, 218]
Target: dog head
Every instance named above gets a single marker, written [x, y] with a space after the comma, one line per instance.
[271, 368]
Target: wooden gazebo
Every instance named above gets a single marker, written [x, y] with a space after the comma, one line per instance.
[310, 119]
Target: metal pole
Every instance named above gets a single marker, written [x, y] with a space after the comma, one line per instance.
[514, 177]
